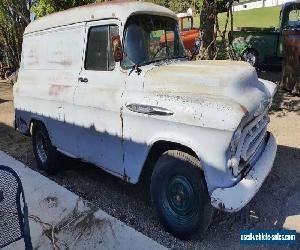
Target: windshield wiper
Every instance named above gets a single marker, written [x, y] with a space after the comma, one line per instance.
[136, 68]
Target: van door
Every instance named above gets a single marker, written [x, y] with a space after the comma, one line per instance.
[97, 100]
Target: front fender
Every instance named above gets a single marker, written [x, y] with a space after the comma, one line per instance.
[210, 146]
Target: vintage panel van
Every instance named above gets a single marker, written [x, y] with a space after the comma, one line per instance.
[97, 83]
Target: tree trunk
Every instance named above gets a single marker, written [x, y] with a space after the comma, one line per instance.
[15, 16]
[208, 17]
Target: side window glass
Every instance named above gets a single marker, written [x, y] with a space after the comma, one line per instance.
[99, 55]
[96, 56]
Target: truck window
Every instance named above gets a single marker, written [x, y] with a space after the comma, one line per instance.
[99, 55]
[187, 24]
[294, 18]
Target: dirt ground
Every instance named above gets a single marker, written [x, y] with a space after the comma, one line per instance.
[276, 205]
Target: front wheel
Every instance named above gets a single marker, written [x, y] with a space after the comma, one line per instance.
[251, 56]
[180, 195]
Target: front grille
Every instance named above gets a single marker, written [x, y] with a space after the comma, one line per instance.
[254, 136]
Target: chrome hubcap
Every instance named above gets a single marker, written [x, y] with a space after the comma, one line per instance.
[250, 58]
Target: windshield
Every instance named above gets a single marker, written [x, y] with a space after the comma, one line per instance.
[149, 38]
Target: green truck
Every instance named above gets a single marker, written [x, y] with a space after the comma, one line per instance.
[264, 46]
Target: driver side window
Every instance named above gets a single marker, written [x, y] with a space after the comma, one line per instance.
[99, 55]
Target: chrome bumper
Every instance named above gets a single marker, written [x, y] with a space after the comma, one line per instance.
[234, 198]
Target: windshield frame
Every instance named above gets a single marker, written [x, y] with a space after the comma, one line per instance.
[177, 30]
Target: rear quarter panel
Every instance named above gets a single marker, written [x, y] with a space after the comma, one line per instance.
[48, 76]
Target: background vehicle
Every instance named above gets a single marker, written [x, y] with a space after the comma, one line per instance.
[264, 46]
[188, 32]
[291, 60]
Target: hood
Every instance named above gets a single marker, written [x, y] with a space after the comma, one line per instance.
[236, 81]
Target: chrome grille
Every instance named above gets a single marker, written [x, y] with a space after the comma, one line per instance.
[252, 136]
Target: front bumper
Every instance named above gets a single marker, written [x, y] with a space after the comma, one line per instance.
[234, 198]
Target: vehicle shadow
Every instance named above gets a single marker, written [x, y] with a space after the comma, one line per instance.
[285, 102]
[86, 180]
[270, 73]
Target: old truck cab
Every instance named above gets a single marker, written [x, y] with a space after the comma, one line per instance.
[96, 83]
[190, 34]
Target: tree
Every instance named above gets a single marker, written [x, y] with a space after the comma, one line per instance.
[45, 7]
[209, 24]
[14, 17]
[179, 6]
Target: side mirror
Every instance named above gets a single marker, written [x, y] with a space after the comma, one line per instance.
[117, 48]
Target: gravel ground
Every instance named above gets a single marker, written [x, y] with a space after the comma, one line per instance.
[277, 200]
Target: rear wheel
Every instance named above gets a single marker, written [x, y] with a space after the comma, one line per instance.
[46, 155]
[251, 56]
[180, 195]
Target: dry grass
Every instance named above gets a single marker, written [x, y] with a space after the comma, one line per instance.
[12, 142]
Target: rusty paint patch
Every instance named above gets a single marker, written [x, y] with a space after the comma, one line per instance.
[244, 109]
[32, 57]
[58, 89]
[291, 61]
[62, 62]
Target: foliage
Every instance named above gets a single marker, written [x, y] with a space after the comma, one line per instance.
[45, 7]
[14, 17]
[180, 6]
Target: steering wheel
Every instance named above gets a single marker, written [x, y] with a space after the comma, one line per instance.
[161, 48]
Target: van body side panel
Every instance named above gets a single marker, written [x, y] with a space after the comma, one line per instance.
[51, 62]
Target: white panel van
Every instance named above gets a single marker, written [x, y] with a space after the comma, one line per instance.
[111, 84]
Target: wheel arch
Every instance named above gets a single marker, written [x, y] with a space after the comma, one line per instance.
[156, 150]
[24, 121]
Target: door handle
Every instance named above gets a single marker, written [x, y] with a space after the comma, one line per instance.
[83, 79]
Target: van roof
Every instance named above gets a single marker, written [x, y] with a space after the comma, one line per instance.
[115, 9]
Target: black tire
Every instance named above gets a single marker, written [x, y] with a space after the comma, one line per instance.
[46, 155]
[251, 56]
[179, 194]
